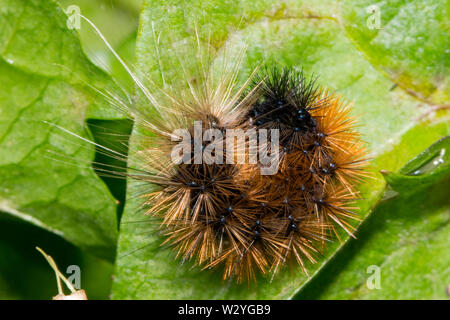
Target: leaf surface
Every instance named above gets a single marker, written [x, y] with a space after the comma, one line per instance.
[46, 78]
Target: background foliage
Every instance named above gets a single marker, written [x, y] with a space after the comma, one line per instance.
[396, 77]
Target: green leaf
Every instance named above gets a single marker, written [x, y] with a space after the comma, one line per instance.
[292, 33]
[431, 161]
[423, 170]
[118, 22]
[44, 76]
[410, 45]
[405, 239]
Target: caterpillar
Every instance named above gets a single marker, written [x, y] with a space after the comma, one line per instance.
[291, 193]
[230, 215]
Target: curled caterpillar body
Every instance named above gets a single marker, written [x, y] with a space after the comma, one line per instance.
[228, 215]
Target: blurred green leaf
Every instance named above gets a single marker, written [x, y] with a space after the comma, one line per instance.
[45, 76]
[118, 21]
[126, 51]
[295, 33]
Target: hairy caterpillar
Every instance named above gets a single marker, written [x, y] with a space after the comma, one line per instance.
[231, 215]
